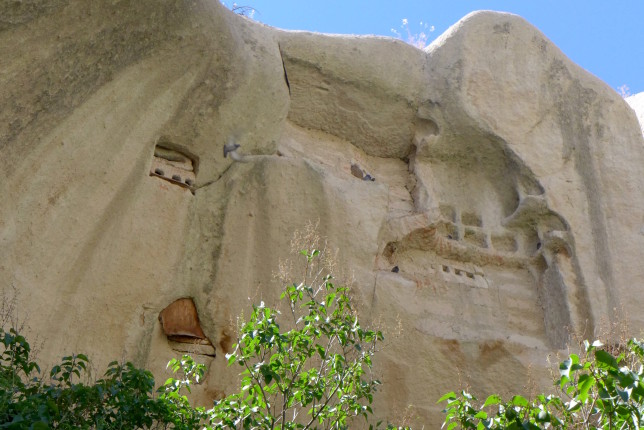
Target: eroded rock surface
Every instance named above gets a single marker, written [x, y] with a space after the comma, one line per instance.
[507, 187]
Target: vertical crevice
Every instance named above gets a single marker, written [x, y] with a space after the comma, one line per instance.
[284, 68]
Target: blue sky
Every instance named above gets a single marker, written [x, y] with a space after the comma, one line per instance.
[604, 37]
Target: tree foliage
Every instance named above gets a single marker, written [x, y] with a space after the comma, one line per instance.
[599, 390]
[124, 398]
[315, 374]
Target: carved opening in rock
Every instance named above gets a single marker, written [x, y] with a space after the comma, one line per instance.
[389, 250]
[447, 212]
[449, 230]
[471, 219]
[539, 263]
[529, 186]
[504, 242]
[425, 131]
[173, 165]
[475, 237]
[180, 323]
[426, 126]
[495, 212]
[553, 222]
[475, 175]
[531, 241]
[465, 276]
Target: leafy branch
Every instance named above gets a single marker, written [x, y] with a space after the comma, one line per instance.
[601, 390]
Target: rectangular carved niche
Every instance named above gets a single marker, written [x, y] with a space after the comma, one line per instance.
[173, 166]
[504, 242]
[470, 276]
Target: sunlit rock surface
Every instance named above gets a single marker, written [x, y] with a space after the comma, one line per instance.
[507, 188]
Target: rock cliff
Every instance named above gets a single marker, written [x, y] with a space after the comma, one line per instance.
[507, 187]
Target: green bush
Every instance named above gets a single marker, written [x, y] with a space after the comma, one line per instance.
[124, 398]
[600, 390]
[316, 374]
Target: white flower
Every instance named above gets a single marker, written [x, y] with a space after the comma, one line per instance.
[404, 21]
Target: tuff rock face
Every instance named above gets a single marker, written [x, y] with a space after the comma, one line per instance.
[507, 187]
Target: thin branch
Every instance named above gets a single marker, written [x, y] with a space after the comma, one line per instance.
[261, 389]
[314, 415]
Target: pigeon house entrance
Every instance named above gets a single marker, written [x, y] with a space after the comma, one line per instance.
[180, 323]
[173, 166]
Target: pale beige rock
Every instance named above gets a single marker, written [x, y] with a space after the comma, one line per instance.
[508, 187]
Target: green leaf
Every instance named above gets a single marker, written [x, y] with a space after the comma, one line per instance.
[519, 401]
[492, 400]
[606, 360]
[321, 351]
[481, 415]
[231, 358]
[449, 396]
[585, 383]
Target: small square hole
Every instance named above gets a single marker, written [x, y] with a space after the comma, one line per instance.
[446, 269]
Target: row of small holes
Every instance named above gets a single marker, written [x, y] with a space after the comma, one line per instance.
[458, 272]
[174, 177]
